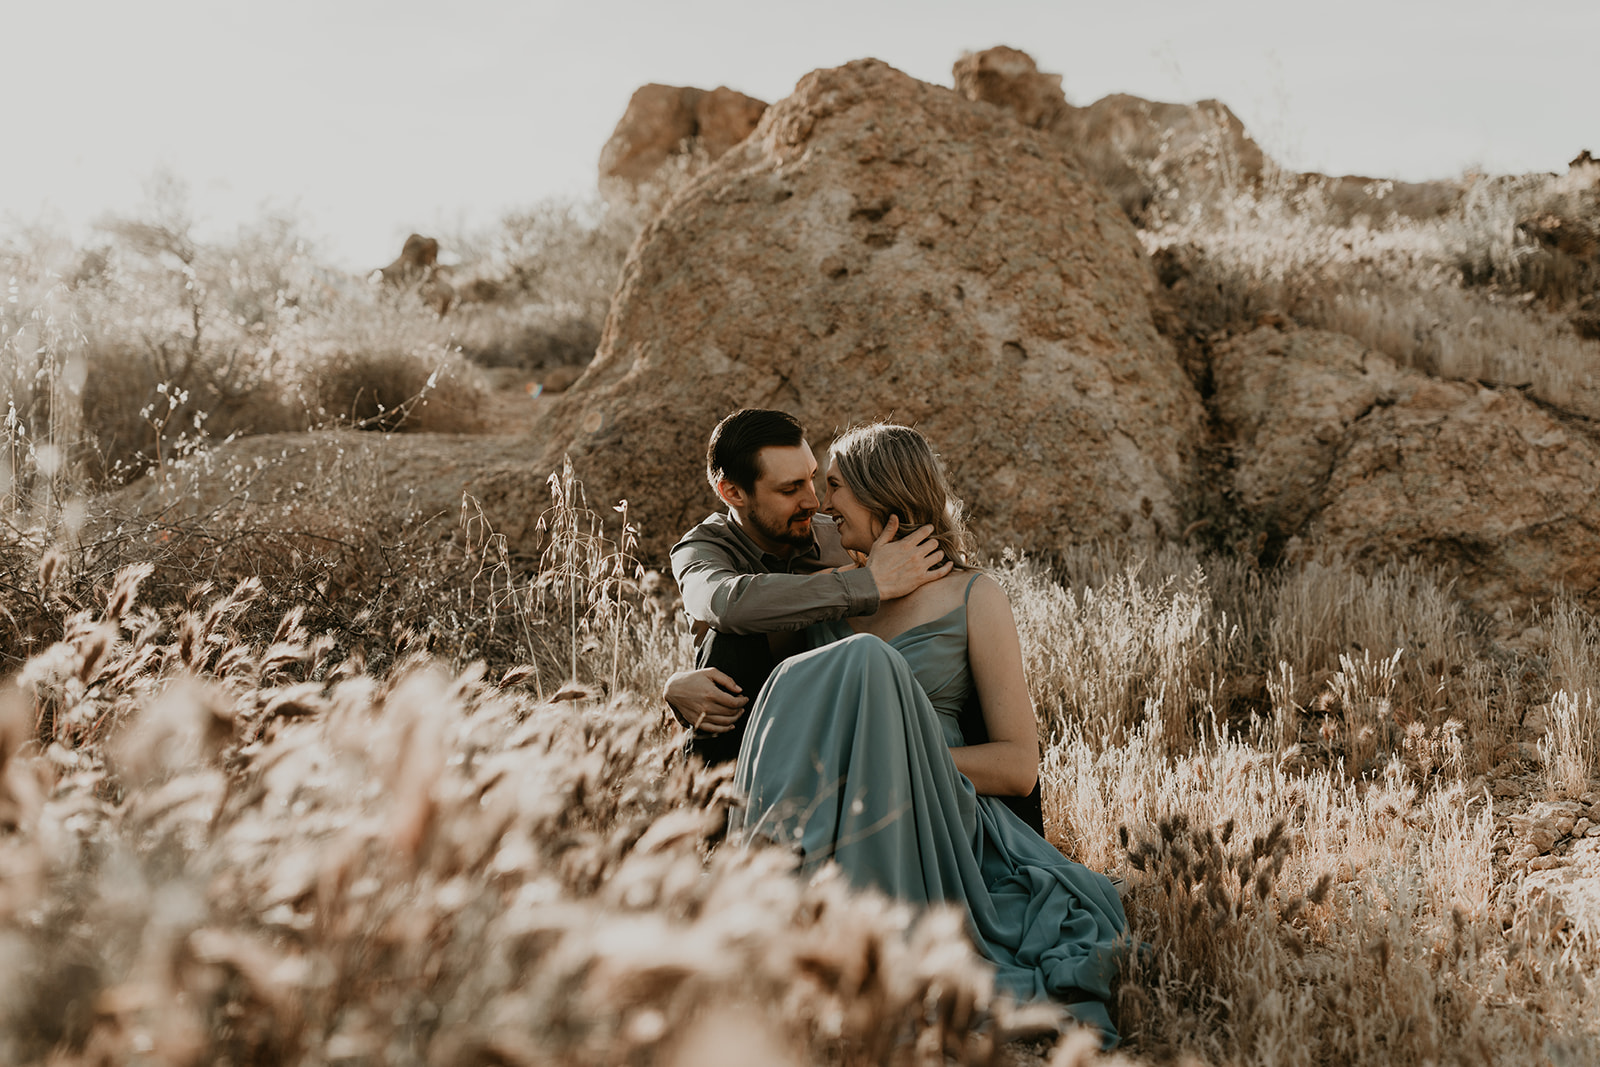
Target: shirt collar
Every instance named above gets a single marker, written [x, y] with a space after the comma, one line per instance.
[768, 560]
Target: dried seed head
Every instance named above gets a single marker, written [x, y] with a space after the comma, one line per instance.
[1319, 892]
[1122, 831]
[1227, 831]
[50, 565]
[125, 589]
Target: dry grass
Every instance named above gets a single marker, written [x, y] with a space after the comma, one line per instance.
[235, 834]
[327, 779]
[225, 846]
[1463, 296]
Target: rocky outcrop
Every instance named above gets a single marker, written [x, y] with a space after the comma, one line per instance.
[883, 248]
[1286, 403]
[1480, 481]
[1155, 156]
[1336, 446]
[668, 135]
[417, 259]
[1009, 78]
[418, 265]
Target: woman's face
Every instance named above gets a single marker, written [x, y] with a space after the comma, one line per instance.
[858, 527]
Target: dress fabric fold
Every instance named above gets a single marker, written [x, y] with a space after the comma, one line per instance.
[846, 757]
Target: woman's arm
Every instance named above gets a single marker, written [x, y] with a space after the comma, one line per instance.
[1009, 764]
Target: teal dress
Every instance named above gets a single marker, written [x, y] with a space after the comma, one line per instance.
[847, 758]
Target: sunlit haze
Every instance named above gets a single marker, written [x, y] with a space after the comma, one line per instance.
[370, 120]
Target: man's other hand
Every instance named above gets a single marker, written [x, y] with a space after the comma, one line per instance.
[707, 700]
[899, 567]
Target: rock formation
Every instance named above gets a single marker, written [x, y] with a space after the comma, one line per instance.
[1338, 446]
[417, 259]
[1286, 402]
[669, 134]
[1146, 150]
[884, 248]
[418, 264]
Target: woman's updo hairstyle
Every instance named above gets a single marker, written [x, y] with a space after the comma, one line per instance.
[892, 470]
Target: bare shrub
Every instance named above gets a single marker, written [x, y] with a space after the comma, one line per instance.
[552, 270]
[389, 389]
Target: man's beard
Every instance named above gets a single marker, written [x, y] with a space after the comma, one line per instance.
[784, 535]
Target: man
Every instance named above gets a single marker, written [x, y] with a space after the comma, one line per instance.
[767, 568]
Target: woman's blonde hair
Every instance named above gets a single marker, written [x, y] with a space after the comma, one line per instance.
[893, 470]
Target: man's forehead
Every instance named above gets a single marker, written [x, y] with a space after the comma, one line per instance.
[780, 463]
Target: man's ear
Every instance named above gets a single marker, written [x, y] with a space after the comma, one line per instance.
[731, 494]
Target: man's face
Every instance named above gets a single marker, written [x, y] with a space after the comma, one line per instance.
[777, 512]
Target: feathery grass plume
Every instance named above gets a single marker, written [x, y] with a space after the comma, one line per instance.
[1570, 750]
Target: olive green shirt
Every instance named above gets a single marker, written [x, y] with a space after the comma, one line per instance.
[731, 585]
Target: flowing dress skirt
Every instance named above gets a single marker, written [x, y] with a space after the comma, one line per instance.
[847, 759]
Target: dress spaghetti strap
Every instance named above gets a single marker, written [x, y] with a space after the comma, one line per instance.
[967, 598]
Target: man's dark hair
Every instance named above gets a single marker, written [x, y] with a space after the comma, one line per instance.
[731, 455]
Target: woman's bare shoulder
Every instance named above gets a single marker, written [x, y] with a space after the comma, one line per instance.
[952, 590]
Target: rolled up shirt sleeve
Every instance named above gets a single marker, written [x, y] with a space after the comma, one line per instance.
[716, 592]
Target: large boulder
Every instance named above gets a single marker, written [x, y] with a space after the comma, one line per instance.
[1482, 482]
[884, 248]
[1338, 448]
[1285, 402]
[668, 134]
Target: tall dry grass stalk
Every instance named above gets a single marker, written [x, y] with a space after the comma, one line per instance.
[1570, 750]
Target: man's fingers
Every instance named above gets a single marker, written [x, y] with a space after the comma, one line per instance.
[889, 528]
[709, 727]
[724, 681]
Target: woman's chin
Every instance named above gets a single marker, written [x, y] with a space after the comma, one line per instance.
[852, 544]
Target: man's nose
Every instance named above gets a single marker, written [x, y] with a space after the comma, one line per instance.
[809, 501]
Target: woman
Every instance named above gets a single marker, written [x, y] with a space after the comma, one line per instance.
[853, 752]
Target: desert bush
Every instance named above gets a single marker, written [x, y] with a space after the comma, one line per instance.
[530, 337]
[552, 270]
[120, 356]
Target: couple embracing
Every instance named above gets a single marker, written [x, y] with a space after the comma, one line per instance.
[845, 639]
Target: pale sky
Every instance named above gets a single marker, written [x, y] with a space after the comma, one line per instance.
[374, 119]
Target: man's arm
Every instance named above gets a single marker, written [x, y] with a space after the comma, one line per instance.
[719, 594]
[716, 592]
